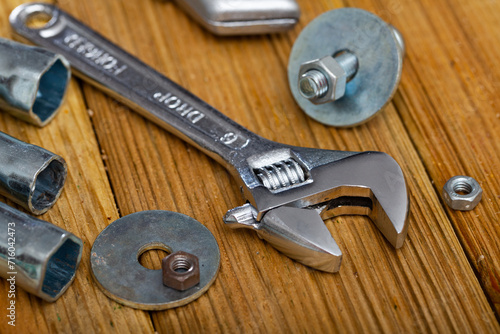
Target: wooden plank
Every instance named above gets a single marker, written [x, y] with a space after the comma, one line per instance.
[428, 285]
[85, 208]
[449, 103]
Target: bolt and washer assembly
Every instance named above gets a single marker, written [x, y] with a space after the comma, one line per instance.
[345, 66]
[462, 193]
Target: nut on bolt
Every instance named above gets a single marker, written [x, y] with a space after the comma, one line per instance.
[181, 271]
[345, 66]
[462, 193]
[322, 80]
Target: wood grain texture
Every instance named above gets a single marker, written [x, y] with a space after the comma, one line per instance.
[450, 108]
[443, 121]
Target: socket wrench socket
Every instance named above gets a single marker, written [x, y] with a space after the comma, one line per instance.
[30, 175]
[36, 255]
[33, 82]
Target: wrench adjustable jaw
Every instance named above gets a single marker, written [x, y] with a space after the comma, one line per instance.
[334, 183]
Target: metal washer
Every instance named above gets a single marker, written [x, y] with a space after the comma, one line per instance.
[115, 258]
[380, 58]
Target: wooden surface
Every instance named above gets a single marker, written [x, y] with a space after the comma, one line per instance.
[444, 120]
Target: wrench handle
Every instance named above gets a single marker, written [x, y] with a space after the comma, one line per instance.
[157, 98]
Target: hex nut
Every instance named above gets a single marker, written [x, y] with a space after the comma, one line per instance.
[181, 270]
[462, 193]
[335, 74]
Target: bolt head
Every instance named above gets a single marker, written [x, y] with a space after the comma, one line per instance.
[181, 271]
[466, 201]
[336, 77]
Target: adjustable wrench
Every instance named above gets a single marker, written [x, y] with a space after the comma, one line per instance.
[289, 190]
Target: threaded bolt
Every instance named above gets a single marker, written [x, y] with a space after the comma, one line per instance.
[349, 62]
[314, 84]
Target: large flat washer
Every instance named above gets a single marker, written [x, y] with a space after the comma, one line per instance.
[378, 47]
[115, 258]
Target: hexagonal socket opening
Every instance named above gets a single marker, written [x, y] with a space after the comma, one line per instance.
[48, 185]
[51, 90]
[61, 268]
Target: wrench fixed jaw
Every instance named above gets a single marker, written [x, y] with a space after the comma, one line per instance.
[361, 201]
[336, 183]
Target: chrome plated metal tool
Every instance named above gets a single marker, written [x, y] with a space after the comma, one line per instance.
[33, 82]
[289, 190]
[30, 175]
[243, 17]
[36, 255]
